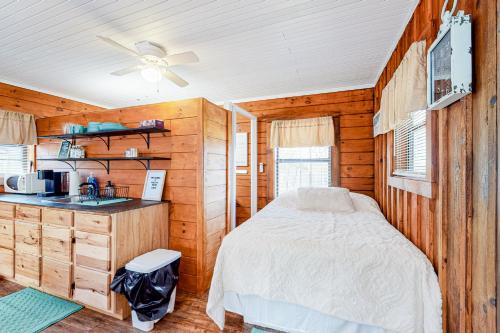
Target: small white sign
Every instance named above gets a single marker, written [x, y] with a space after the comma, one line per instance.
[153, 186]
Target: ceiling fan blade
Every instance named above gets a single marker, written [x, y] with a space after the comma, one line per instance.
[181, 58]
[118, 45]
[128, 70]
[175, 78]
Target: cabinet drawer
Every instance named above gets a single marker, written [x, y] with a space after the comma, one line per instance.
[27, 269]
[93, 223]
[92, 250]
[27, 237]
[56, 243]
[7, 210]
[28, 213]
[7, 233]
[92, 288]
[56, 277]
[57, 217]
[6, 263]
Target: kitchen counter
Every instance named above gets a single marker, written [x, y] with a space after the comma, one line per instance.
[32, 199]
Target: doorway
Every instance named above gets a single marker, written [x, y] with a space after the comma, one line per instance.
[243, 144]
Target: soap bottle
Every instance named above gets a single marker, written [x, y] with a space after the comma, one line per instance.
[93, 180]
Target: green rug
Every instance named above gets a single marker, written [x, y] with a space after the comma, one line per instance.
[30, 311]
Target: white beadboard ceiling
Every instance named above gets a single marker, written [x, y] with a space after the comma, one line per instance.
[247, 49]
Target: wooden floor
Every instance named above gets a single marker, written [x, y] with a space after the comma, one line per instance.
[188, 316]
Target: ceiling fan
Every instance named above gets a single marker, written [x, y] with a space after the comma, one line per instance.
[155, 62]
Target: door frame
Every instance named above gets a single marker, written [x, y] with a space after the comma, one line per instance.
[235, 111]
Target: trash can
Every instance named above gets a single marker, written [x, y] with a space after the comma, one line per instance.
[149, 282]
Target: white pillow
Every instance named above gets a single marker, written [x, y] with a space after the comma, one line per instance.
[287, 199]
[364, 203]
[325, 199]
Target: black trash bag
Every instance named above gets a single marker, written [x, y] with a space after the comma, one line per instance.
[147, 293]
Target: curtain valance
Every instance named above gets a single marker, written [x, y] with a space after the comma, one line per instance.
[406, 91]
[302, 132]
[17, 128]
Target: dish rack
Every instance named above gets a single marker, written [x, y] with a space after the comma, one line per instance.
[89, 193]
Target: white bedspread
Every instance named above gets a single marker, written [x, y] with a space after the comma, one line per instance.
[355, 266]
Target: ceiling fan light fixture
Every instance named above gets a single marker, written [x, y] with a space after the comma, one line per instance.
[151, 74]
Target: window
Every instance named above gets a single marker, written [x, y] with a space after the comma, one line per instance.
[410, 146]
[15, 158]
[302, 166]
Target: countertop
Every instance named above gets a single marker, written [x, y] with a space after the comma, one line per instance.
[32, 199]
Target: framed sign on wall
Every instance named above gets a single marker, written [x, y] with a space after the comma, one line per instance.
[241, 156]
[449, 63]
[153, 185]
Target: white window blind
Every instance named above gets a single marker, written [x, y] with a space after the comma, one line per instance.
[410, 155]
[14, 159]
[302, 167]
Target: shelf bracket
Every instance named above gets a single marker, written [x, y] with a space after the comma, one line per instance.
[105, 165]
[106, 141]
[72, 166]
[146, 138]
[145, 165]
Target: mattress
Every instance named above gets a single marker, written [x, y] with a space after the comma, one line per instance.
[288, 317]
[351, 266]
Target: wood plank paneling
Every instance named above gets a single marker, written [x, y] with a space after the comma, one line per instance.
[456, 226]
[19, 99]
[215, 134]
[354, 109]
[196, 174]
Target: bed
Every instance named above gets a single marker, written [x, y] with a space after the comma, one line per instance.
[310, 271]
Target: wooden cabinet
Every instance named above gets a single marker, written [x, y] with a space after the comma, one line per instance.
[6, 263]
[7, 213]
[93, 223]
[27, 269]
[59, 217]
[74, 254]
[7, 233]
[57, 277]
[27, 237]
[7, 210]
[92, 288]
[92, 250]
[57, 243]
[28, 213]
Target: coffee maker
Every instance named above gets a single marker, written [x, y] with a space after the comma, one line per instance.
[56, 183]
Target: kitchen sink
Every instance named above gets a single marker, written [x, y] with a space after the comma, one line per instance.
[74, 200]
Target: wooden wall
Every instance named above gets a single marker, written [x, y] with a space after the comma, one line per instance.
[352, 112]
[197, 148]
[19, 99]
[215, 173]
[453, 219]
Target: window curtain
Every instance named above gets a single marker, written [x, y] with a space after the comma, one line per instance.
[302, 133]
[17, 128]
[406, 92]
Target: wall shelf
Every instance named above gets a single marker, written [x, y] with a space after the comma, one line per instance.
[105, 161]
[105, 136]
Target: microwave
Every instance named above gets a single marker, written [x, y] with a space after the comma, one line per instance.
[26, 183]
